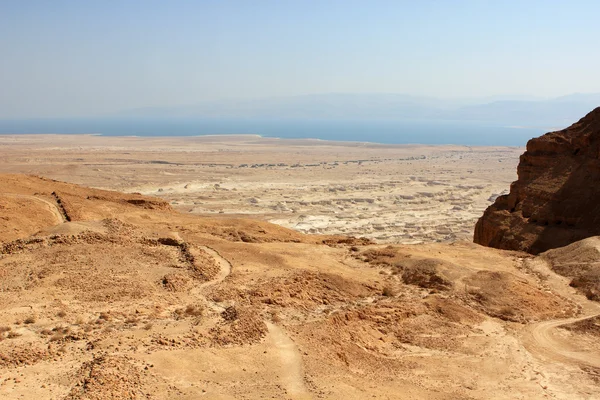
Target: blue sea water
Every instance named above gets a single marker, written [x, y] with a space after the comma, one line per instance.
[378, 131]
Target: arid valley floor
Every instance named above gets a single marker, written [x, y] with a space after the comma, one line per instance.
[400, 194]
[223, 268]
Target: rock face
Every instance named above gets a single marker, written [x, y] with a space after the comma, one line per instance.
[556, 199]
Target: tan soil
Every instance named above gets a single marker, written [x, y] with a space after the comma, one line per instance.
[389, 193]
[132, 299]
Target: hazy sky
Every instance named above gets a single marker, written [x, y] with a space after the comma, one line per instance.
[61, 58]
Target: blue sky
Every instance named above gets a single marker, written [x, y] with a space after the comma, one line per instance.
[75, 58]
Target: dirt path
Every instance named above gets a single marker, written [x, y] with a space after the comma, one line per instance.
[291, 363]
[224, 264]
[225, 267]
[561, 350]
[291, 370]
[52, 207]
[542, 338]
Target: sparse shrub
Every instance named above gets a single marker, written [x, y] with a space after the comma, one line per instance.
[30, 320]
[148, 326]
[179, 313]
[3, 330]
[57, 336]
[105, 316]
[477, 295]
[388, 291]
[217, 298]
[61, 329]
[59, 333]
[61, 314]
[13, 334]
[230, 314]
[194, 310]
[275, 317]
[507, 314]
[191, 310]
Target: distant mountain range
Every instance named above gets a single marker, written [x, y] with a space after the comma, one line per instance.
[515, 110]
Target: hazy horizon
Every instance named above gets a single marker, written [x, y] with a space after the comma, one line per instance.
[74, 59]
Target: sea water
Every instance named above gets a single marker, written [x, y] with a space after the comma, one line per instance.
[469, 133]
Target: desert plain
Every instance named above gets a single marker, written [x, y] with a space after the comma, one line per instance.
[242, 267]
[389, 193]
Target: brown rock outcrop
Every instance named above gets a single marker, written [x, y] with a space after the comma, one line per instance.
[556, 199]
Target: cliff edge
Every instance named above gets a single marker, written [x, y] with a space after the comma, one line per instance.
[556, 198]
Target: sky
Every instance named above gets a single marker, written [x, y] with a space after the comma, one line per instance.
[80, 58]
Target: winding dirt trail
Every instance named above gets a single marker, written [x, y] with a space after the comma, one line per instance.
[291, 363]
[542, 338]
[52, 207]
[291, 360]
[225, 266]
[224, 270]
[551, 346]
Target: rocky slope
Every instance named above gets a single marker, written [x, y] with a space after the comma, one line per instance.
[106, 295]
[554, 202]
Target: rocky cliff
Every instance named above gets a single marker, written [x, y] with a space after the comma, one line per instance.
[556, 199]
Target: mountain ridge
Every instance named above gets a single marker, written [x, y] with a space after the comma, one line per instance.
[384, 106]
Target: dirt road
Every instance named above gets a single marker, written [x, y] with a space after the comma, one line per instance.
[291, 363]
[550, 345]
[543, 339]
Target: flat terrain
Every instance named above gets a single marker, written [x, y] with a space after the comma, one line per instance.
[390, 193]
[118, 296]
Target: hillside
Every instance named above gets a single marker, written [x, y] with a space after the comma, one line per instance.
[109, 295]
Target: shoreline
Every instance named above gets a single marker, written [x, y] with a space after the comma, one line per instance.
[384, 132]
[232, 137]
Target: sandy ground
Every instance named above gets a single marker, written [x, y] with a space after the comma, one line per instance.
[107, 295]
[399, 194]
